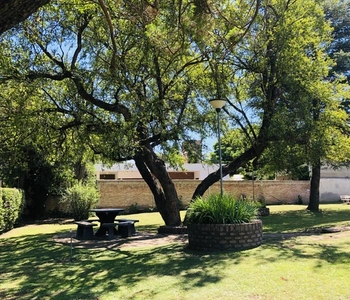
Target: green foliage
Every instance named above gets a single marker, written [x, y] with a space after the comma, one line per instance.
[133, 208]
[217, 209]
[11, 207]
[79, 199]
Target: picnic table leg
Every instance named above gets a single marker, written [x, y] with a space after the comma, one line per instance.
[105, 218]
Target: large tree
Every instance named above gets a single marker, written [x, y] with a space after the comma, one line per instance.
[337, 12]
[279, 84]
[128, 76]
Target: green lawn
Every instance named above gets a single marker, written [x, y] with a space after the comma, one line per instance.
[304, 266]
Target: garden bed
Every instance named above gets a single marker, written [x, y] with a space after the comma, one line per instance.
[225, 236]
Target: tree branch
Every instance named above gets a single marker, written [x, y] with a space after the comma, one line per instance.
[79, 39]
[111, 30]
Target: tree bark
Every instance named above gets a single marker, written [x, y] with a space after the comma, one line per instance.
[314, 199]
[12, 12]
[154, 172]
[231, 168]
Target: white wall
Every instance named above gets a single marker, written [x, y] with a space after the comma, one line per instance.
[334, 183]
[123, 169]
[331, 188]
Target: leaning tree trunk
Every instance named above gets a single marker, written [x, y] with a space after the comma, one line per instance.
[314, 199]
[272, 92]
[231, 168]
[154, 172]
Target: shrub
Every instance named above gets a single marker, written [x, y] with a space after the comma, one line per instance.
[220, 210]
[133, 208]
[79, 199]
[11, 207]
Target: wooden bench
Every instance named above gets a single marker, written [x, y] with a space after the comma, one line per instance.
[85, 230]
[345, 199]
[130, 221]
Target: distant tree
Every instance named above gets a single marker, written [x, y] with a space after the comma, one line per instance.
[338, 13]
[280, 157]
[192, 149]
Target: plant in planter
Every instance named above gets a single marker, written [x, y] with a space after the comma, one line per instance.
[222, 223]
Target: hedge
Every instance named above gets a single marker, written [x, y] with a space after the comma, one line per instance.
[11, 207]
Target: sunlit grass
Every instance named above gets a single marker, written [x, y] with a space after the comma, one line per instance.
[305, 266]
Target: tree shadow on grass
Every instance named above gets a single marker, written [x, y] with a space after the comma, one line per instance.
[296, 245]
[36, 267]
[299, 220]
[44, 270]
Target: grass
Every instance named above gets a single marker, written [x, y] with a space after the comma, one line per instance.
[303, 266]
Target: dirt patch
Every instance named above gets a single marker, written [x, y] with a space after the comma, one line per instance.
[151, 239]
[140, 239]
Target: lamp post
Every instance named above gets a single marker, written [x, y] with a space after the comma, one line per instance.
[218, 104]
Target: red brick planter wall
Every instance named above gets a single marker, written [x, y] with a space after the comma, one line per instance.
[225, 236]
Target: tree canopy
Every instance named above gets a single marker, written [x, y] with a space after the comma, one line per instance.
[132, 80]
[125, 79]
[280, 98]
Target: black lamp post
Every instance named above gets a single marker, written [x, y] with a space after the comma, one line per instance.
[218, 104]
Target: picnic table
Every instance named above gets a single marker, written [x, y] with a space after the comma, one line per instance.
[106, 216]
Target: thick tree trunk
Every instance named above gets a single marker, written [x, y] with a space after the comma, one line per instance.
[314, 199]
[12, 12]
[154, 173]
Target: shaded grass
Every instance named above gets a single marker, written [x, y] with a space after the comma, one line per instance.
[305, 266]
[287, 218]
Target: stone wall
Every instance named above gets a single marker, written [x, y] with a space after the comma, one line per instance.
[124, 193]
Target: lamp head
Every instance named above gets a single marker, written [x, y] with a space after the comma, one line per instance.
[217, 103]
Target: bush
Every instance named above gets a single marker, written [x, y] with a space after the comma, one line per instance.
[133, 208]
[220, 210]
[79, 199]
[11, 207]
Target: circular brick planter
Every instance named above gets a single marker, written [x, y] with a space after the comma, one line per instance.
[225, 236]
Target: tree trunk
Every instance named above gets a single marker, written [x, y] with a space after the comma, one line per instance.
[271, 90]
[314, 199]
[12, 12]
[154, 173]
[231, 168]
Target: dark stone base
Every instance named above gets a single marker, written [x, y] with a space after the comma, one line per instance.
[210, 237]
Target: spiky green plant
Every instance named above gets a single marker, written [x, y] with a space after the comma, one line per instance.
[217, 209]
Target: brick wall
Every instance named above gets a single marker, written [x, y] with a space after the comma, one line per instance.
[123, 193]
[225, 236]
